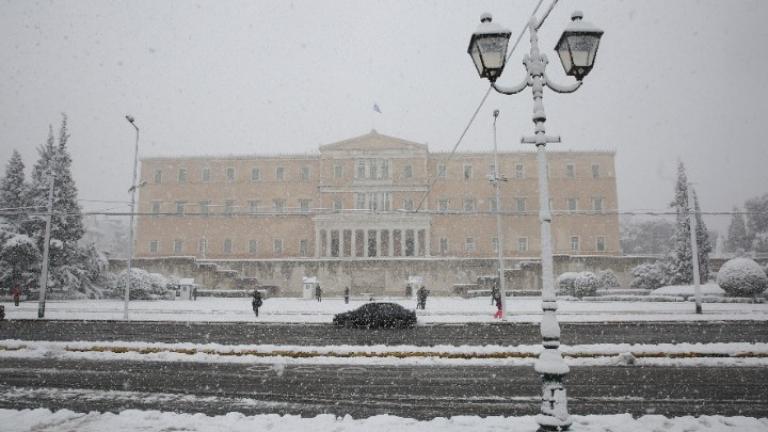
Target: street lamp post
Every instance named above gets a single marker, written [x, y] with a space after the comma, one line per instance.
[133, 188]
[496, 179]
[577, 49]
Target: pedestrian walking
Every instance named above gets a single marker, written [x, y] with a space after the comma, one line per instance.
[194, 293]
[421, 296]
[346, 295]
[318, 293]
[256, 302]
[498, 305]
[16, 292]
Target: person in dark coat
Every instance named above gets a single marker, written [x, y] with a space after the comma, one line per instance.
[16, 292]
[346, 295]
[318, 293]
[194, 293]
[256, 302]
[421, 296]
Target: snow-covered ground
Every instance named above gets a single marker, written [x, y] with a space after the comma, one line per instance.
[717, 354]
[43, 420]
[439, 310]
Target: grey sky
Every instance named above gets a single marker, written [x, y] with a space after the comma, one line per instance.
[673, 79]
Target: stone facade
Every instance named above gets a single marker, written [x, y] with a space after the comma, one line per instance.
[372, 197]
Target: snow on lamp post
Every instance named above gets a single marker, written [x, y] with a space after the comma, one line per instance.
[577, 50]
[132, 190]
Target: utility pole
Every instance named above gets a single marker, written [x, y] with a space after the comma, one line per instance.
[133, 188]
[694, 249]
[499, 239]
[46, 243]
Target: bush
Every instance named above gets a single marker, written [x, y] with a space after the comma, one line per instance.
[564, 283]
[742, 277]
[608, 279]
[647, 276]
[144, 285]
[585, 284]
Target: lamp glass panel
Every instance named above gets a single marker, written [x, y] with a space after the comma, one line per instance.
[493, 50]
[477, 59]
[565, 56]
[582, 49]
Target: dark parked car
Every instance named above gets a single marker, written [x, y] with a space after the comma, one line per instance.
[377, 315]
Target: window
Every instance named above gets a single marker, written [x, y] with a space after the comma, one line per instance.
[519, 171]
[158, 176]
[359, 200]
[574, 243]
[255, 174]
[182, 175]
[180, 208]
[277, 246]
[177, 246]
[467, 172]
[303, 248]
[469, 244]
[522, 244]
[156, 208]
[227, 246]
[572, 204]
[600, 244]
[408, 171]
[154, 246]
[443, 246]
[338, 171]
[230, 174]
[337, 203]
[304, 205]
[597, 204]
[495, 245]
[492, 206]
[253, 207]
[204, 207]
[520, 204]
[469, 204]
[304, 173]
[491, 170]
[206, 175]
[253, 247]
[229, 208]
[408, 204]
[595, 171]
[384, 168]
[441, 170]
[202, 246]
[278, 205]
[361, 169]
[442, 205]
[570, 171]
[374, 171]
[279, 173]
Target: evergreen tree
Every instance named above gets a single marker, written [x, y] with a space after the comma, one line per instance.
[702, 240]
[13, 190]
[757, 222]
[678, 266]
[738, 239]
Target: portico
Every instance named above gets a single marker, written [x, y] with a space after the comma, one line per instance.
[367, 234]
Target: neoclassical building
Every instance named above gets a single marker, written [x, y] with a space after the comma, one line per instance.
[372, 196]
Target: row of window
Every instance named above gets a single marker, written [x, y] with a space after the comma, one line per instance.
[277, 246]
[377, 201]
[522, 244]
[365, 169]
[228, 247]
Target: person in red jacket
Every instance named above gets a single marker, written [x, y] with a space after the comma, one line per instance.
[498, 305]
[16, 293]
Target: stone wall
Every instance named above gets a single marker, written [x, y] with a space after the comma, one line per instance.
[385, 276]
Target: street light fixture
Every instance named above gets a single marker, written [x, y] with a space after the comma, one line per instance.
[577, 50]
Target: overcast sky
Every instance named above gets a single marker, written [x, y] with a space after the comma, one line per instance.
[673, 79]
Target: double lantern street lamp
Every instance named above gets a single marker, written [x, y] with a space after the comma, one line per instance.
[577, 49]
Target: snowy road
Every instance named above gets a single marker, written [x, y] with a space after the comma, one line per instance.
[362, 391]
[642, 332]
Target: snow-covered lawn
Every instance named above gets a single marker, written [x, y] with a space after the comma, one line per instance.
[439, 310]
[43, 420]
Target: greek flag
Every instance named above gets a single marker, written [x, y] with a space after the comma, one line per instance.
[376, 108]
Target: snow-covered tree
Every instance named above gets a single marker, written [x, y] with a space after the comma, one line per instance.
[678, 266]
[19, 258]
[13, 190]
[585, 284]
[649, 237]
[648, 276]
[608, 279]
[757, 222]
[741, 277]
[738, 239]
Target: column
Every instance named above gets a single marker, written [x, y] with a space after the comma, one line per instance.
[416, 248]
[327, 242]
[390, 243]
[427, 241]
[353, 251]
[365, 242]
[317, 242]
[378, 243]
[403, 241]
